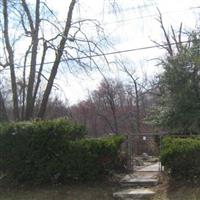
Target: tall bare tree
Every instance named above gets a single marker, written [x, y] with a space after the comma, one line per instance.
[10, 60]
[56, 63]
[40, 35]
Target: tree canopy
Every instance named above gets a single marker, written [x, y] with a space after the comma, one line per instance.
[179, 109]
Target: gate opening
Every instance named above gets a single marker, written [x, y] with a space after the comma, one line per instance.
[143, 152]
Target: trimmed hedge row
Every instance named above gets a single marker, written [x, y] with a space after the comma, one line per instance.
[68, 129]
[55, 151]
[181, 157]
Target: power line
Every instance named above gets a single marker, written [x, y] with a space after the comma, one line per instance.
[150, 16]
[118, 52]
[114, 52]
[142, 17]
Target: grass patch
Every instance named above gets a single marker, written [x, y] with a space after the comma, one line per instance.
[177, 190]
[183, 193]
[95, 191]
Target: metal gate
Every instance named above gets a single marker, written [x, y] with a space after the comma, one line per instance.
[143, 150]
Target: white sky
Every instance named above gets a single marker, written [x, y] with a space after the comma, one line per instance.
[133, 26]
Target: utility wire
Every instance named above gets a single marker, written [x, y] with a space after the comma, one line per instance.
[118, 52]
[150, 16]
[142, 17]
[114, 52]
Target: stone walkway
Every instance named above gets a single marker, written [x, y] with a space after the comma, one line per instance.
[139, 183]
[136, 194]
[156, 167]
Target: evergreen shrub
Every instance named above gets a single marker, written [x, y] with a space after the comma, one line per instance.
[181, 157]
[44, 151]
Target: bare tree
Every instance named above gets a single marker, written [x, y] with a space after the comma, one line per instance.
[107, 94]
[134, 80]
[10, 60]
[56, 63]
[171, 38]
[28, 66]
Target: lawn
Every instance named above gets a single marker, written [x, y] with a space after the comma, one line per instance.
[183, 193]
[178, 191]
[96, 191]
[92, 191]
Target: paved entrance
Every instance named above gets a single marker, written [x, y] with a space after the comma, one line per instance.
[139, 184]
[155, 167]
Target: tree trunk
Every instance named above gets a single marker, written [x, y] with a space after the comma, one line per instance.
[137, 106]
[113, 108]
[40, 71]
[57, 61]
[137, 100]
[11, 61]
[35, 41]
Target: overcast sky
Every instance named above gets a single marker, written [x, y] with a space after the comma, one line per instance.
[129, 24]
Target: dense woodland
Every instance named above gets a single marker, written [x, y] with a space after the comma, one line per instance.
[112, 108]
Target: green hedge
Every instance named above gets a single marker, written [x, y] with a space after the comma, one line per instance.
[54, 151]
[68, 129]
[181, 157]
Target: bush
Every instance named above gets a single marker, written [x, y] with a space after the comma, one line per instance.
[68, 129]
[91, 158]
[181, 157]
[54, 151]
